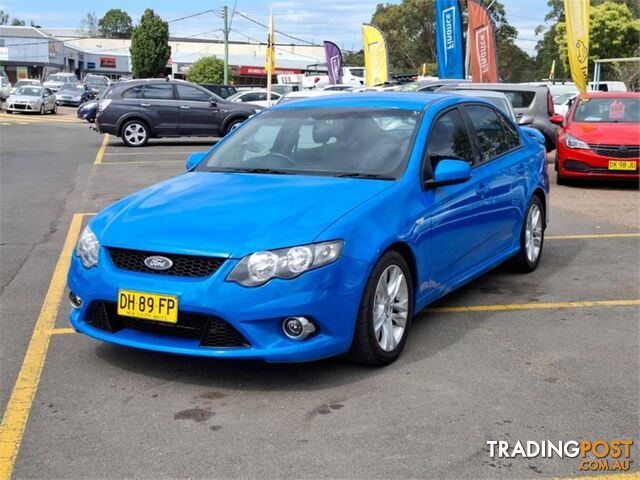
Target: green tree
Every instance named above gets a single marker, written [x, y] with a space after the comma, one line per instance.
[150, 48]
[613, 33]
[355, 58]
[16, 22]
[115, 24]
[4, 18]
[89, 24]
[207, 70]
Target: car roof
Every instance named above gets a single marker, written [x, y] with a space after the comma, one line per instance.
[401, 100]
[506, 86]
[610, 95]
[471, 93]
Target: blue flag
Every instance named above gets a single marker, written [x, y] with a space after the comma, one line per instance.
[449, 39]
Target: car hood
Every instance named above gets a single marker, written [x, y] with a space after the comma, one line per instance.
[23, 98]
[231, 214]
[605, 133]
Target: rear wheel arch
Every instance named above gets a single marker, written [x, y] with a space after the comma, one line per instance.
[123, 121]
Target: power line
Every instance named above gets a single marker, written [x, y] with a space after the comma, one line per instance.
[276, 48]
[277, 31]
[192, 15]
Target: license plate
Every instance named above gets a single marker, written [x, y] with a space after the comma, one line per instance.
[148, 306]
[622, 165]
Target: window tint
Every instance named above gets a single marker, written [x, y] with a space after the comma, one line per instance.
[249, 97]
[495, 135]
[449, 140]
[158, 91]
[135, 92]
[185, 92]
[520, 99]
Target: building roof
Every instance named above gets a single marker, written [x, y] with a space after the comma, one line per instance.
[22, 32]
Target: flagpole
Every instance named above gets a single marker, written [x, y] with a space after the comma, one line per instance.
[270, 54]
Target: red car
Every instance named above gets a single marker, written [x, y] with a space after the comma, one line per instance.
[600, 137]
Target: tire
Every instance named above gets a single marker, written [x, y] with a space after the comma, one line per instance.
[42, 109]
[54, 110]
[233, 124]
[135, 133]
[532, 230]
[561, 179]
[381, 346]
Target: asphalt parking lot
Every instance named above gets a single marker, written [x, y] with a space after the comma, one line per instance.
[552, 355]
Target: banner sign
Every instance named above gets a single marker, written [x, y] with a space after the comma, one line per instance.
[482, 43]
[334, 62]
[375, 56]
[577, 13]
[449, 39]
[107, 62]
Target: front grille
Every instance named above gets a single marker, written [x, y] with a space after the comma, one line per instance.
[183, 265]
[211, 331]
[617, 151]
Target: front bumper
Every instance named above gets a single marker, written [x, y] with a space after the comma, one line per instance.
[330, 296]
[22, 107]
[587, 164]
[67, 101]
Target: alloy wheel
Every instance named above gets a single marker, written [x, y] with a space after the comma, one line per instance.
[533, 233]
[135, 134]
[390, 308]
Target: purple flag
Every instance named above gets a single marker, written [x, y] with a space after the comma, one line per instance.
[334, 62]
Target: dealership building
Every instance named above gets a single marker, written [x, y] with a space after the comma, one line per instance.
[29, 52]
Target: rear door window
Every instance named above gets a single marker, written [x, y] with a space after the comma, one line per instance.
[520, 99]
[135, 92]
[159, 91]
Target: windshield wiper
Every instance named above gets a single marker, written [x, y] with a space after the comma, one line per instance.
[363, 175]
[273, 171]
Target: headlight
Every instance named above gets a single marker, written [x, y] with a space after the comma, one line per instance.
[104, 103]
[573, 142]
[260, 267]
[88, 248]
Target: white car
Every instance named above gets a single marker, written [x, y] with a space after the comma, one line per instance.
[561, 103]
[32, 99]
[254, 97]
[5, 88]
[340, 87]
[56, 80]
[290, 97]
[24, 83]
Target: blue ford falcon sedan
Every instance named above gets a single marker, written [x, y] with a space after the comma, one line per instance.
[317, 228]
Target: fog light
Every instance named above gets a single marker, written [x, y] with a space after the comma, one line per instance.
[298, 328]
[76, 301]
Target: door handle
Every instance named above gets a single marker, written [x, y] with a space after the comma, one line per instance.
[145, 104]
[184, 107]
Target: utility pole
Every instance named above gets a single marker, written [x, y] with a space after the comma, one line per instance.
[226, 47]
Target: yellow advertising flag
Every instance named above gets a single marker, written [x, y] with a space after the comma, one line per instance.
[270, 63]
[577, 14]
[375, 56]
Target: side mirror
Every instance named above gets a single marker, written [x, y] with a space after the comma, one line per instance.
[557, 118]
[194, 160]
[449, 172]
[535, 134]
[213, 102]
[525, 120]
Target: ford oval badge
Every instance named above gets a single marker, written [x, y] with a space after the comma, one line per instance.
[158, 263]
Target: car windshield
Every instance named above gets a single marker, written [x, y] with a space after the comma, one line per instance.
[607, 110]
[357, 72]
[563, 97]
[57, 78]
[71, 87]
[22, 83]
[369, 143]
[30, 91]
[95, 80]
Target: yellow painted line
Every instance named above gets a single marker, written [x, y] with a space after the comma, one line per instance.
[594, 235]
[535, 306]
[61, 331]
[143, 162]
[102, 149]
[40, 119]
[126, 154]
[19, 405]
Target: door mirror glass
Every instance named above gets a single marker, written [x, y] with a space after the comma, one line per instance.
[450, 172]
[558, 119]
[525, 120]
[213, 102]
[194, 160]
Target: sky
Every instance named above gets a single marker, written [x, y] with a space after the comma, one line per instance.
[315, 21]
